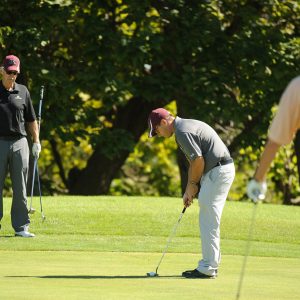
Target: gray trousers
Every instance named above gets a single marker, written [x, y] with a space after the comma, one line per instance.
[14, 157]
[215, 185]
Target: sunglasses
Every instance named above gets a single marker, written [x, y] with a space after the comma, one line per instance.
[11, 72]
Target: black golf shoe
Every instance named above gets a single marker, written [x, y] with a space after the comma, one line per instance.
[196, 274]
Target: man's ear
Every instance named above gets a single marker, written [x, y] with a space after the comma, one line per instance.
[163, 122]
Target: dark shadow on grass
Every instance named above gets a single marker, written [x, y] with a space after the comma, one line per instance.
[7, 236]
[96, 276]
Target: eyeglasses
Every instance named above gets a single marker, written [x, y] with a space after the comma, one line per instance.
[11, 72]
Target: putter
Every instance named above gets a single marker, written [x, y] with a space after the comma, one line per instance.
[155, 274]
[247, 250]
[35, 165]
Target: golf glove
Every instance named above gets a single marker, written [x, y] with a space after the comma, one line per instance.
[36, 149]
[256, 191]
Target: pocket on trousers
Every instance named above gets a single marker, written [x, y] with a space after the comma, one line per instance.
[20, 145]
[213, 174]
[228, 174]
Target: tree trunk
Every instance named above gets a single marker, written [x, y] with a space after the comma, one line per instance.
[58, 161]
[96, 178]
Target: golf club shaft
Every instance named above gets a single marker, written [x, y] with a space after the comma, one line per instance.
[35, 166]
[246, 251]
[39, 126]
[170, 238]
[39, 116]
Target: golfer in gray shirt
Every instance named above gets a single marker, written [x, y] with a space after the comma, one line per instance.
[211, 168]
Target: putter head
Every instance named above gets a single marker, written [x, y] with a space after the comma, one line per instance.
[152, 274]
[31, 211]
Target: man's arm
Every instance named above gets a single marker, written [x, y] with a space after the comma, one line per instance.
[257, 187]
[265, 160]
[282, 130]
[195, 172]
[34, 131]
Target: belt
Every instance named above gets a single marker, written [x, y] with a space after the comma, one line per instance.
[223, 162]
[10, 137]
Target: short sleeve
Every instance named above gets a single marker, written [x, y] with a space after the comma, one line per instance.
[29, 112]
[188, 144]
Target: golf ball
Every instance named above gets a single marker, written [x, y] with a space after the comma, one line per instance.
[151, 274]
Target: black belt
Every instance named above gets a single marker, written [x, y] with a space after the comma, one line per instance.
[223, 162]
[10, 137]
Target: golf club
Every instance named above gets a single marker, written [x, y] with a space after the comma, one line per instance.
[35, 165]
[155, 274]
[247, 250]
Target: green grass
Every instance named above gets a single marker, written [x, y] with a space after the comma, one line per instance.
[102, 247]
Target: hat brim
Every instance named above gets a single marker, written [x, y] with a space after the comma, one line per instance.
[12, 68]
[152, 133]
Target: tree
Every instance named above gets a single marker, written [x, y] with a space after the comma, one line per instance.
[106, 65]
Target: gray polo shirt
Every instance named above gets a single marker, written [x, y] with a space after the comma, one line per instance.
[196, 138]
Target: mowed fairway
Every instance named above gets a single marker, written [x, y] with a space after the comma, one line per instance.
[102, 248]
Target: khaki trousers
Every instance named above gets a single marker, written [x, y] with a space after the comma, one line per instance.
[215, 185]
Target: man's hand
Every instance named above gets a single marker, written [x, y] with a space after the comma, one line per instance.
[187, 201]
[36, 149]
[256, 191]
[190, 192]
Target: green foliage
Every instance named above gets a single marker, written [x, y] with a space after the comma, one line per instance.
[282, 176]
[112, 142]
[224, 62]
[50, 173]
[151, 169]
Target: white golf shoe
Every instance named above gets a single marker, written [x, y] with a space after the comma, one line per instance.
[25, 233]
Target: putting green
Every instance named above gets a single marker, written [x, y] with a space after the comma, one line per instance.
[102, 248]
[122, 275]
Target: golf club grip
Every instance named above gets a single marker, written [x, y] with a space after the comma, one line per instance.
[39, 116]
[42, 92]
[41, 101]
[183, 210]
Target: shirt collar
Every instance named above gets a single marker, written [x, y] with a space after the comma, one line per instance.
[15, 89]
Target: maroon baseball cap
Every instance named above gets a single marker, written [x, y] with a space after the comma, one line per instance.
[154, 119]
[11, 63]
